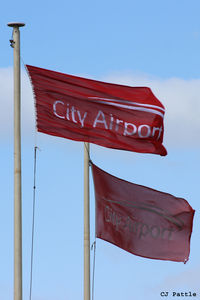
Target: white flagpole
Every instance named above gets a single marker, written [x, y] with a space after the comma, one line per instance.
[86, 224]
[15, 43]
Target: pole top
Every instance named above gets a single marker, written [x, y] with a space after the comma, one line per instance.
[16, 24]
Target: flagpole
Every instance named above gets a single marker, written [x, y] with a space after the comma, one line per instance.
[15, 43]
[86, 224]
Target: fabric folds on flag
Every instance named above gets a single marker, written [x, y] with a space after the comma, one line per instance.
[141, 220]
[110, 115]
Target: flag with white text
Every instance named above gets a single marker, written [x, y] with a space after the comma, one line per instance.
[141, 220]
[110, 115]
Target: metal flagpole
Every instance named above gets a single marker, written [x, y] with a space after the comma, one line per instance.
[15, 43]
[86, 224]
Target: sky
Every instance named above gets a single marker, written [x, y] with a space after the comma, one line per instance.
[137, 43]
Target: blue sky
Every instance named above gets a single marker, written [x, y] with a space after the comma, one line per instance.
[151, 43]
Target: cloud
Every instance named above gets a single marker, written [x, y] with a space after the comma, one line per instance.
[7, 103]
[6, 92]
[180, 98]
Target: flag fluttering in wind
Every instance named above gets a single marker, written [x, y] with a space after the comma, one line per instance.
[110, 115]
[141, 220]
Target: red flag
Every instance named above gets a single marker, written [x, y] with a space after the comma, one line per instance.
[110, 115]
[141, 220]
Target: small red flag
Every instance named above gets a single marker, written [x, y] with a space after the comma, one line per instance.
[110, 115]
[141, 220]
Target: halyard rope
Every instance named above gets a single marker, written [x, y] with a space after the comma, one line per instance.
[33, 221]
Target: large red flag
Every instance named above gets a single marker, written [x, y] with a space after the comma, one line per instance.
[141, 220]
[110, 115]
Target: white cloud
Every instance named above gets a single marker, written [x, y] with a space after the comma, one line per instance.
[6, 91]
[180, 98]
[7, 103]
